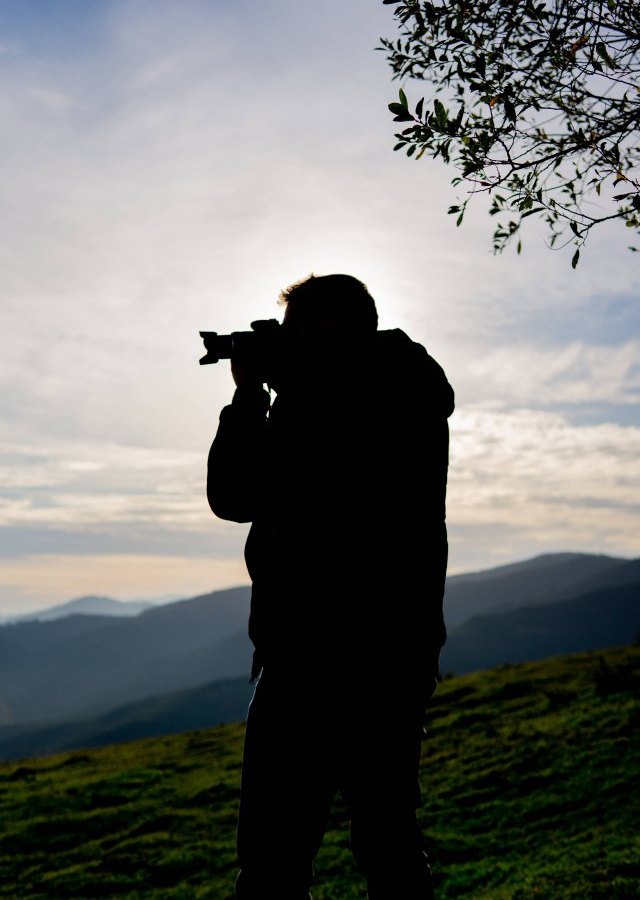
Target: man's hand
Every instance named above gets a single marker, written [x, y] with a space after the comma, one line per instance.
[244, 370]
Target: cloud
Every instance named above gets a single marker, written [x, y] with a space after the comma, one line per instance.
[524, 479]
[556, 376]
[534, 481]
[74, 485]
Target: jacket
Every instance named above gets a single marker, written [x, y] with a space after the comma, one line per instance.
[344, 480]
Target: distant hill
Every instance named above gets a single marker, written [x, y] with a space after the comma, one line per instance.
[623, 572]
[539, 580]
[84, 665]
[201, 707]
[529, 789]
[87, 606]
[606, 617]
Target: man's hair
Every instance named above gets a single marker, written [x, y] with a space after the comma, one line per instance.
[349, 297]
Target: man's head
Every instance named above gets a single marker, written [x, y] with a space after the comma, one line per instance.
[329, 305]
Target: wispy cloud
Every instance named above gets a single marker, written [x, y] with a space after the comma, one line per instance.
[564, 375]
[532, 479]
[72, 486]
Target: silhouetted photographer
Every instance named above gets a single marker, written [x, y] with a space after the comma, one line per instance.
[343, 478]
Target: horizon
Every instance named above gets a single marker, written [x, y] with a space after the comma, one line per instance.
[169, 167]
[166, 601]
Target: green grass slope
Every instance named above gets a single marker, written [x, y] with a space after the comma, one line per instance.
[530, 779]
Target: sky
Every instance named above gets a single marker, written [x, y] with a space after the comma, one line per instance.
[167, 167]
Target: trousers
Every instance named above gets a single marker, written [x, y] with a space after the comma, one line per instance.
[307, 740]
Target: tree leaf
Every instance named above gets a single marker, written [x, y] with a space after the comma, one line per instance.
[576, 257]
[602, 51]
[400, 113]
[441, 114]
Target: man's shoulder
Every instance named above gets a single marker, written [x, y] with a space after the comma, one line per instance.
[409, 363]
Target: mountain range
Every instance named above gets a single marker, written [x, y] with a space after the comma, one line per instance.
[537, 581]
[85, 665]
[85, 680]
[89, 605]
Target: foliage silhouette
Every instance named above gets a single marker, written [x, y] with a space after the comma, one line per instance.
[545, 107]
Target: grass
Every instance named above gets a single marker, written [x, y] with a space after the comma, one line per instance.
[530, 779]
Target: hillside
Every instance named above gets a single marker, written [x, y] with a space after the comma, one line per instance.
[200, 707]
[540, 580]
[530, 778]
[604, 618]
[84, 665]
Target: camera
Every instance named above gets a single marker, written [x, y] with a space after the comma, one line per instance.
[261, 343]
[269, 350]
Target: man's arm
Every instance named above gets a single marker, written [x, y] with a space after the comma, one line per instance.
[238, 466]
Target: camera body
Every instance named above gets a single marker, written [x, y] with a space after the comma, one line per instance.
[262, 343]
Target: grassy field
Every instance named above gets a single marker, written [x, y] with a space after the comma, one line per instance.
[531, 788]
